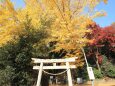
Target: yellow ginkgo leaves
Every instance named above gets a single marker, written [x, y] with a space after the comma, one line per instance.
[70, 20]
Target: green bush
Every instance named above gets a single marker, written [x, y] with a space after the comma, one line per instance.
[6, 76]
[97, 73]
[82, 72]
[108, 69]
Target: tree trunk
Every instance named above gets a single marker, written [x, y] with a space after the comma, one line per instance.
[98, 66]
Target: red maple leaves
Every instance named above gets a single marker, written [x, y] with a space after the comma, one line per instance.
[102, 41]
[102, 36]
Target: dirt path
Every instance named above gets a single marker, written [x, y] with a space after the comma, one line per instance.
[96, 83]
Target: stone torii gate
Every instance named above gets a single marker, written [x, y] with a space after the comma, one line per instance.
[54, 65]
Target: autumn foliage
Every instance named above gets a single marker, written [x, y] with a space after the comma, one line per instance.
[102, 41]
[65, 26]
[69, 21]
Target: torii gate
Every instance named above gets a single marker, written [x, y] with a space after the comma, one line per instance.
[67, 66]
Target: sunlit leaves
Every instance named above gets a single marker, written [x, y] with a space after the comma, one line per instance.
[70, 19]
[102, 40]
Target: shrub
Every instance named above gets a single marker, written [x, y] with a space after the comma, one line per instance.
[6, 76]
[111, 71]
[97, 73]
[82, 72]
[108, 69]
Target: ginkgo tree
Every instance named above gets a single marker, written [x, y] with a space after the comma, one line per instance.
[69, 27]
[70, 20]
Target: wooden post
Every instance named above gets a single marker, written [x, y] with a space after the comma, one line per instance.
[54, 64]
[40, 74]
[69, 74]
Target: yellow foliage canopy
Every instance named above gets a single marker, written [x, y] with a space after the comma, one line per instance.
[71, 18]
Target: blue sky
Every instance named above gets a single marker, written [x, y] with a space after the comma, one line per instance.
[110, 10]
[102, 21]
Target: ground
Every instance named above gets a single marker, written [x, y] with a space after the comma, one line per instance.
[96, 83]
